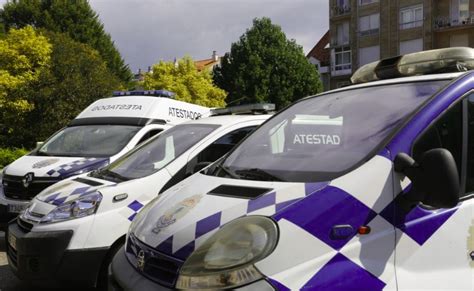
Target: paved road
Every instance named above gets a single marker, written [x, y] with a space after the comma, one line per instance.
[8, 281]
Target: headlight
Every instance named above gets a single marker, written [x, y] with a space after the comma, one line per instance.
[82, 206]
[226, 259]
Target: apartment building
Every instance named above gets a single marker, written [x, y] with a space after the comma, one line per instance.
[363, 31]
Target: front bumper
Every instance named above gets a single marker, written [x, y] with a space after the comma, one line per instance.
[42, 258]
[6, 206]
[124, 277]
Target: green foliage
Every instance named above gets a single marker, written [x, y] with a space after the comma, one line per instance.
[76, 77]
[8, 155]
[186, 81]
[24, 56]
[73, 17]
[264, 66]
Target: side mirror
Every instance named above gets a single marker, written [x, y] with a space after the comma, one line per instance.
[435, 179]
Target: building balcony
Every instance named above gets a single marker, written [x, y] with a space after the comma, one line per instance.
[447, 23]
[337, 11]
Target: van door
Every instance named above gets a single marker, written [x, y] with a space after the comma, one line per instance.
[434, 247]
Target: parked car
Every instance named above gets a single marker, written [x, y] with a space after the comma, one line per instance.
[71, 230]
[368, 187]
[100, 134]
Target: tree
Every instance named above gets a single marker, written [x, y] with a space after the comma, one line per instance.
[264, 66]
[186, 82]
[77, 76]
[24, 56]
[75, 18]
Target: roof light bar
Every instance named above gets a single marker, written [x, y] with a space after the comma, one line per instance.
[155, 93]
[242, 109]
[456, 59]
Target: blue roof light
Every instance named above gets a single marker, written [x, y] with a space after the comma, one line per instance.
[155, 93]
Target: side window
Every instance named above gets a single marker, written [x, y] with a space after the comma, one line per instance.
[470, 146]
[446, 132]
[210, 154]
[149, 134]
[223, 145]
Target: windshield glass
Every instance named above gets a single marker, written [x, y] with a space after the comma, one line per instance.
[158, 152]
[320, 138]
[89, 141]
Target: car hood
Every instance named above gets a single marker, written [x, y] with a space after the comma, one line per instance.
[54, 167]
[186, 215]
[64, 192]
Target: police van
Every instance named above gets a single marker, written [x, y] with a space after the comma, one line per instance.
[367, 187]
[100, 134]
[72, 229]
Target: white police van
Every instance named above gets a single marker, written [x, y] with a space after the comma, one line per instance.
[368, 187]
[72, 229]
[101, 133]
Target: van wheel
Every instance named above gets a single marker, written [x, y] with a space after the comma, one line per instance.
[102, 280]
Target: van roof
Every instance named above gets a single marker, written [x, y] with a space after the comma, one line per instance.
[230, 119]
[140, 108]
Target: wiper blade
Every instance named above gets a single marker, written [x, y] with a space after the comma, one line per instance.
[257, 174]
[40, 153]
[228, 171]
[107, 173]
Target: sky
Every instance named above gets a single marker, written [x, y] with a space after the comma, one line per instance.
[147, 31]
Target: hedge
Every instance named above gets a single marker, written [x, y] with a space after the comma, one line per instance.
[8, 155]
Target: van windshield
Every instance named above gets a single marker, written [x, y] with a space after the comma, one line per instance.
[157, 153]
[88, 141]
[320, 138]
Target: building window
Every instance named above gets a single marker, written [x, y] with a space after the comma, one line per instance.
[411, 46]
[365, 2]
[459, 40]
[342, 7]
[369, 24]
[342, 33]
[368, 55]
[342, 58]
[411, 17]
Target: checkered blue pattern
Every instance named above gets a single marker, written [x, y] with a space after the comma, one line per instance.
[325, 205]
[267, 204]
[134, 206]
[66, 170]
[59, 198]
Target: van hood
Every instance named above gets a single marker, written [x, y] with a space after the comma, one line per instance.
[186, 215]
[66, 191]
[54, 167]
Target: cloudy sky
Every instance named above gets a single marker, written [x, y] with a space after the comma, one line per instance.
[146, 31]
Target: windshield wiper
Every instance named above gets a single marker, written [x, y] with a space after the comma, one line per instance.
[257, 174]
[107, 173]
[228, 171]
[41, 153]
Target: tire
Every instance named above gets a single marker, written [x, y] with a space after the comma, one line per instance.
[102, 279]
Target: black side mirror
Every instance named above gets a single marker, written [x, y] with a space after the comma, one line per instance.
[435, 179]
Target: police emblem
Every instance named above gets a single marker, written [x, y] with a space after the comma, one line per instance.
[27, 179]
[141, 260]
[44, 163]
[175, 213]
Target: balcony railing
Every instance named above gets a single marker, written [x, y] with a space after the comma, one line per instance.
[340, 10]
[441, 22]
